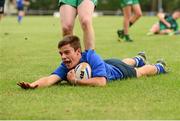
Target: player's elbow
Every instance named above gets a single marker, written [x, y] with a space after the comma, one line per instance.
[102, 82]
[160, 15]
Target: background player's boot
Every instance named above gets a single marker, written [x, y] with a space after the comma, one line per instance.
[150, 33]
[127, 38]
[174, 33]
[120, 34]
[177, 32]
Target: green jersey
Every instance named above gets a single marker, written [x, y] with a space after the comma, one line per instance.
[74, 3]
[171, 20]
[125, 3]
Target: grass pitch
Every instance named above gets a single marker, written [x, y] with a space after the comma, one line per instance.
[29, 51]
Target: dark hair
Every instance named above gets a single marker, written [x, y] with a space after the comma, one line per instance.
[177, 10]
[74, 42]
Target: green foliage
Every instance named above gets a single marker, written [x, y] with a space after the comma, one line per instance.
[44, 4]
[146, 5]
[171, 5]
[29, 51]
[108, 5]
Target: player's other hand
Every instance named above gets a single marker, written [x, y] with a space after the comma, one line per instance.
[168, 25]
[26, 85]
[71, 76]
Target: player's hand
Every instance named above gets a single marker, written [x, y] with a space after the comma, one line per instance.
[26, 85]
[71, 76]
[168, 25]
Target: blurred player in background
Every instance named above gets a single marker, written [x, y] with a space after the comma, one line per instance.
[20, 7]
[128, 6]
[69, 9]
[167, 24]
[1, 8]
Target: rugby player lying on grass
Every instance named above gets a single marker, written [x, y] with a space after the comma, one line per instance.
[167, 24]
[103, 71]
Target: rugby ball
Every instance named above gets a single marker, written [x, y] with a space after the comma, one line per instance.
[83, 71]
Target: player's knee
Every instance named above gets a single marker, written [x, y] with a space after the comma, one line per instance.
[139, 14]
[85, 22]
[67, 29]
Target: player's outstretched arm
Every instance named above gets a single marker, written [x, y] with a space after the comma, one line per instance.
[95, 81]
[42, 82]
[162, 19]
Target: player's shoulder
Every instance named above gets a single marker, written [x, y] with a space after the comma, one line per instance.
[167, 15]
[89, 52]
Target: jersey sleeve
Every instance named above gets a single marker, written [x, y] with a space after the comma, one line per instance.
[97, 64]
[61, 71]
[167, 16]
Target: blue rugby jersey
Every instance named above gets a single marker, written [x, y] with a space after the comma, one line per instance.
[98, 66]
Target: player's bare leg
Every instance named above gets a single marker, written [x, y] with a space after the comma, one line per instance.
[85, 12]
[149, 70]
[154, 29]
[137, 13]
[166, 31]
[67, 18]
[127, 16]
[137, 61]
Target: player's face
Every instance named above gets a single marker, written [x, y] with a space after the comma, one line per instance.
[176, 15]
[70, 57]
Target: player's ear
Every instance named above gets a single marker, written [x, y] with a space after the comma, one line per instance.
[79, 50]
